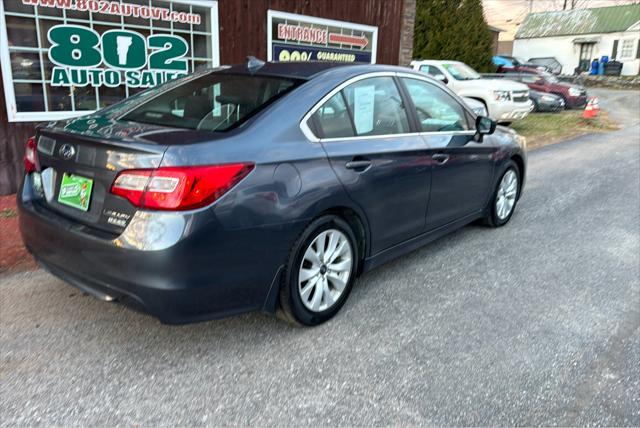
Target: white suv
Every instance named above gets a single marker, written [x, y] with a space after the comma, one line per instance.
[505, 100]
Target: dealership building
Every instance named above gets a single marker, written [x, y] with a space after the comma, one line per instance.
[66, 58]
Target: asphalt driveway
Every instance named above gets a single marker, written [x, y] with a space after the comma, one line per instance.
[536, 323]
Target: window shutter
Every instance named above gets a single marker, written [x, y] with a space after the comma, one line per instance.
[638, 51]
[615, 49]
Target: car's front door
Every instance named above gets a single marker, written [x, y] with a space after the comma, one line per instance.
[462, 169]
[366, 133]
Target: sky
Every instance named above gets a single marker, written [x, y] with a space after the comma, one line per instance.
[507, 14]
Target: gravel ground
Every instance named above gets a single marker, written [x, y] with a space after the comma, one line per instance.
[536, 323]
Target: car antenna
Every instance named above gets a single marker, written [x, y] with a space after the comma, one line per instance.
[254, 64]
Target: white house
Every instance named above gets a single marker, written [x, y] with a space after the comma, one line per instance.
[576, 37]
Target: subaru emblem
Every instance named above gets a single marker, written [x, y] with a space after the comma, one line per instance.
[67, 151]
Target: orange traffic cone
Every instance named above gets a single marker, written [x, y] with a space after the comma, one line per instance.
[590, 111]
[596, 106]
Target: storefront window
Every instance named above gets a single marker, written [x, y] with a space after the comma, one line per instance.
[85, 98]
[29, 96]
[40, 89]
[18, 7]
[21, 32]
[108, 96]
[58, 98]
[25, 65]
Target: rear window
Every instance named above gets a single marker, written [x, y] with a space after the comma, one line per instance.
[215, 102]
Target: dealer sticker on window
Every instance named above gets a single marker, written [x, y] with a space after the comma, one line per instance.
[75, 191]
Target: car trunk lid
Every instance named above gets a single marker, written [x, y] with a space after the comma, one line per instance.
[78, 167]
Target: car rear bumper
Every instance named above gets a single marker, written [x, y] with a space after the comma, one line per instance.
[205, 273]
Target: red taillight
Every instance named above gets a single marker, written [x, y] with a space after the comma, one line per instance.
[178, 188]
[31, 156]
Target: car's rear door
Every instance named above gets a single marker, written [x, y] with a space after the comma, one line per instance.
[367, 136]
[462, 169]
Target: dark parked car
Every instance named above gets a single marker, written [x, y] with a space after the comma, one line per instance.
[545, 102]
[551, 64]
[512, 64]
[261, 187]
[574, 96]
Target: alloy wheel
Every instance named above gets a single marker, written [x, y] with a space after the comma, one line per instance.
[325, 270]
[507, 192]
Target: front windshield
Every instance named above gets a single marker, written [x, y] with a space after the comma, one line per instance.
[518, 61]
[461, 71]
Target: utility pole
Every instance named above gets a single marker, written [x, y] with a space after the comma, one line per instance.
[564, 6]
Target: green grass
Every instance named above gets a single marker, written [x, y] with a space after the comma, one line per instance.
[541, 129]
[8, 213]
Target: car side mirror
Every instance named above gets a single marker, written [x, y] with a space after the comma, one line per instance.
[441, 77]
[484, 126]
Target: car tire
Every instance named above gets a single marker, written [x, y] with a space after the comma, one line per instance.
[329, 277]
[504, 198]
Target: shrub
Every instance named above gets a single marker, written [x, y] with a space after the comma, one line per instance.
[454, 30]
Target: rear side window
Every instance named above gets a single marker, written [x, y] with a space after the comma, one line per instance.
[437, 111]
[215, 102]
[368, 107]
[376, 107]
[333, 118]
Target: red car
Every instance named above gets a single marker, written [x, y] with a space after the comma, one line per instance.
[573, 95]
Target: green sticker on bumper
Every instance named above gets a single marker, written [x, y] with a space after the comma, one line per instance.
[75, 191]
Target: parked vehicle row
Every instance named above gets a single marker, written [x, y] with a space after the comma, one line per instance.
[539, 74]
[510, 64]
[506, 96]
[505, 101]
[574, 96]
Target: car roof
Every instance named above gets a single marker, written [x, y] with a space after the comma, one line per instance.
[435, 61]
[308, 70]
[295, 70]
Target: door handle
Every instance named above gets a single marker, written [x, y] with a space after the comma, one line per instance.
[358, 165]
[441, 158]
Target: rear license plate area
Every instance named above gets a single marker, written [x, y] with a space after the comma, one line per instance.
[75, 191]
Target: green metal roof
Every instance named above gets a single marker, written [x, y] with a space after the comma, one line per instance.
[579, 21]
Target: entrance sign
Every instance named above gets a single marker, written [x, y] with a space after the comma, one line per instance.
[66, 58]
[292, 37]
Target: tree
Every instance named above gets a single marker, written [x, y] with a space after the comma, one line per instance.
[454, 30]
